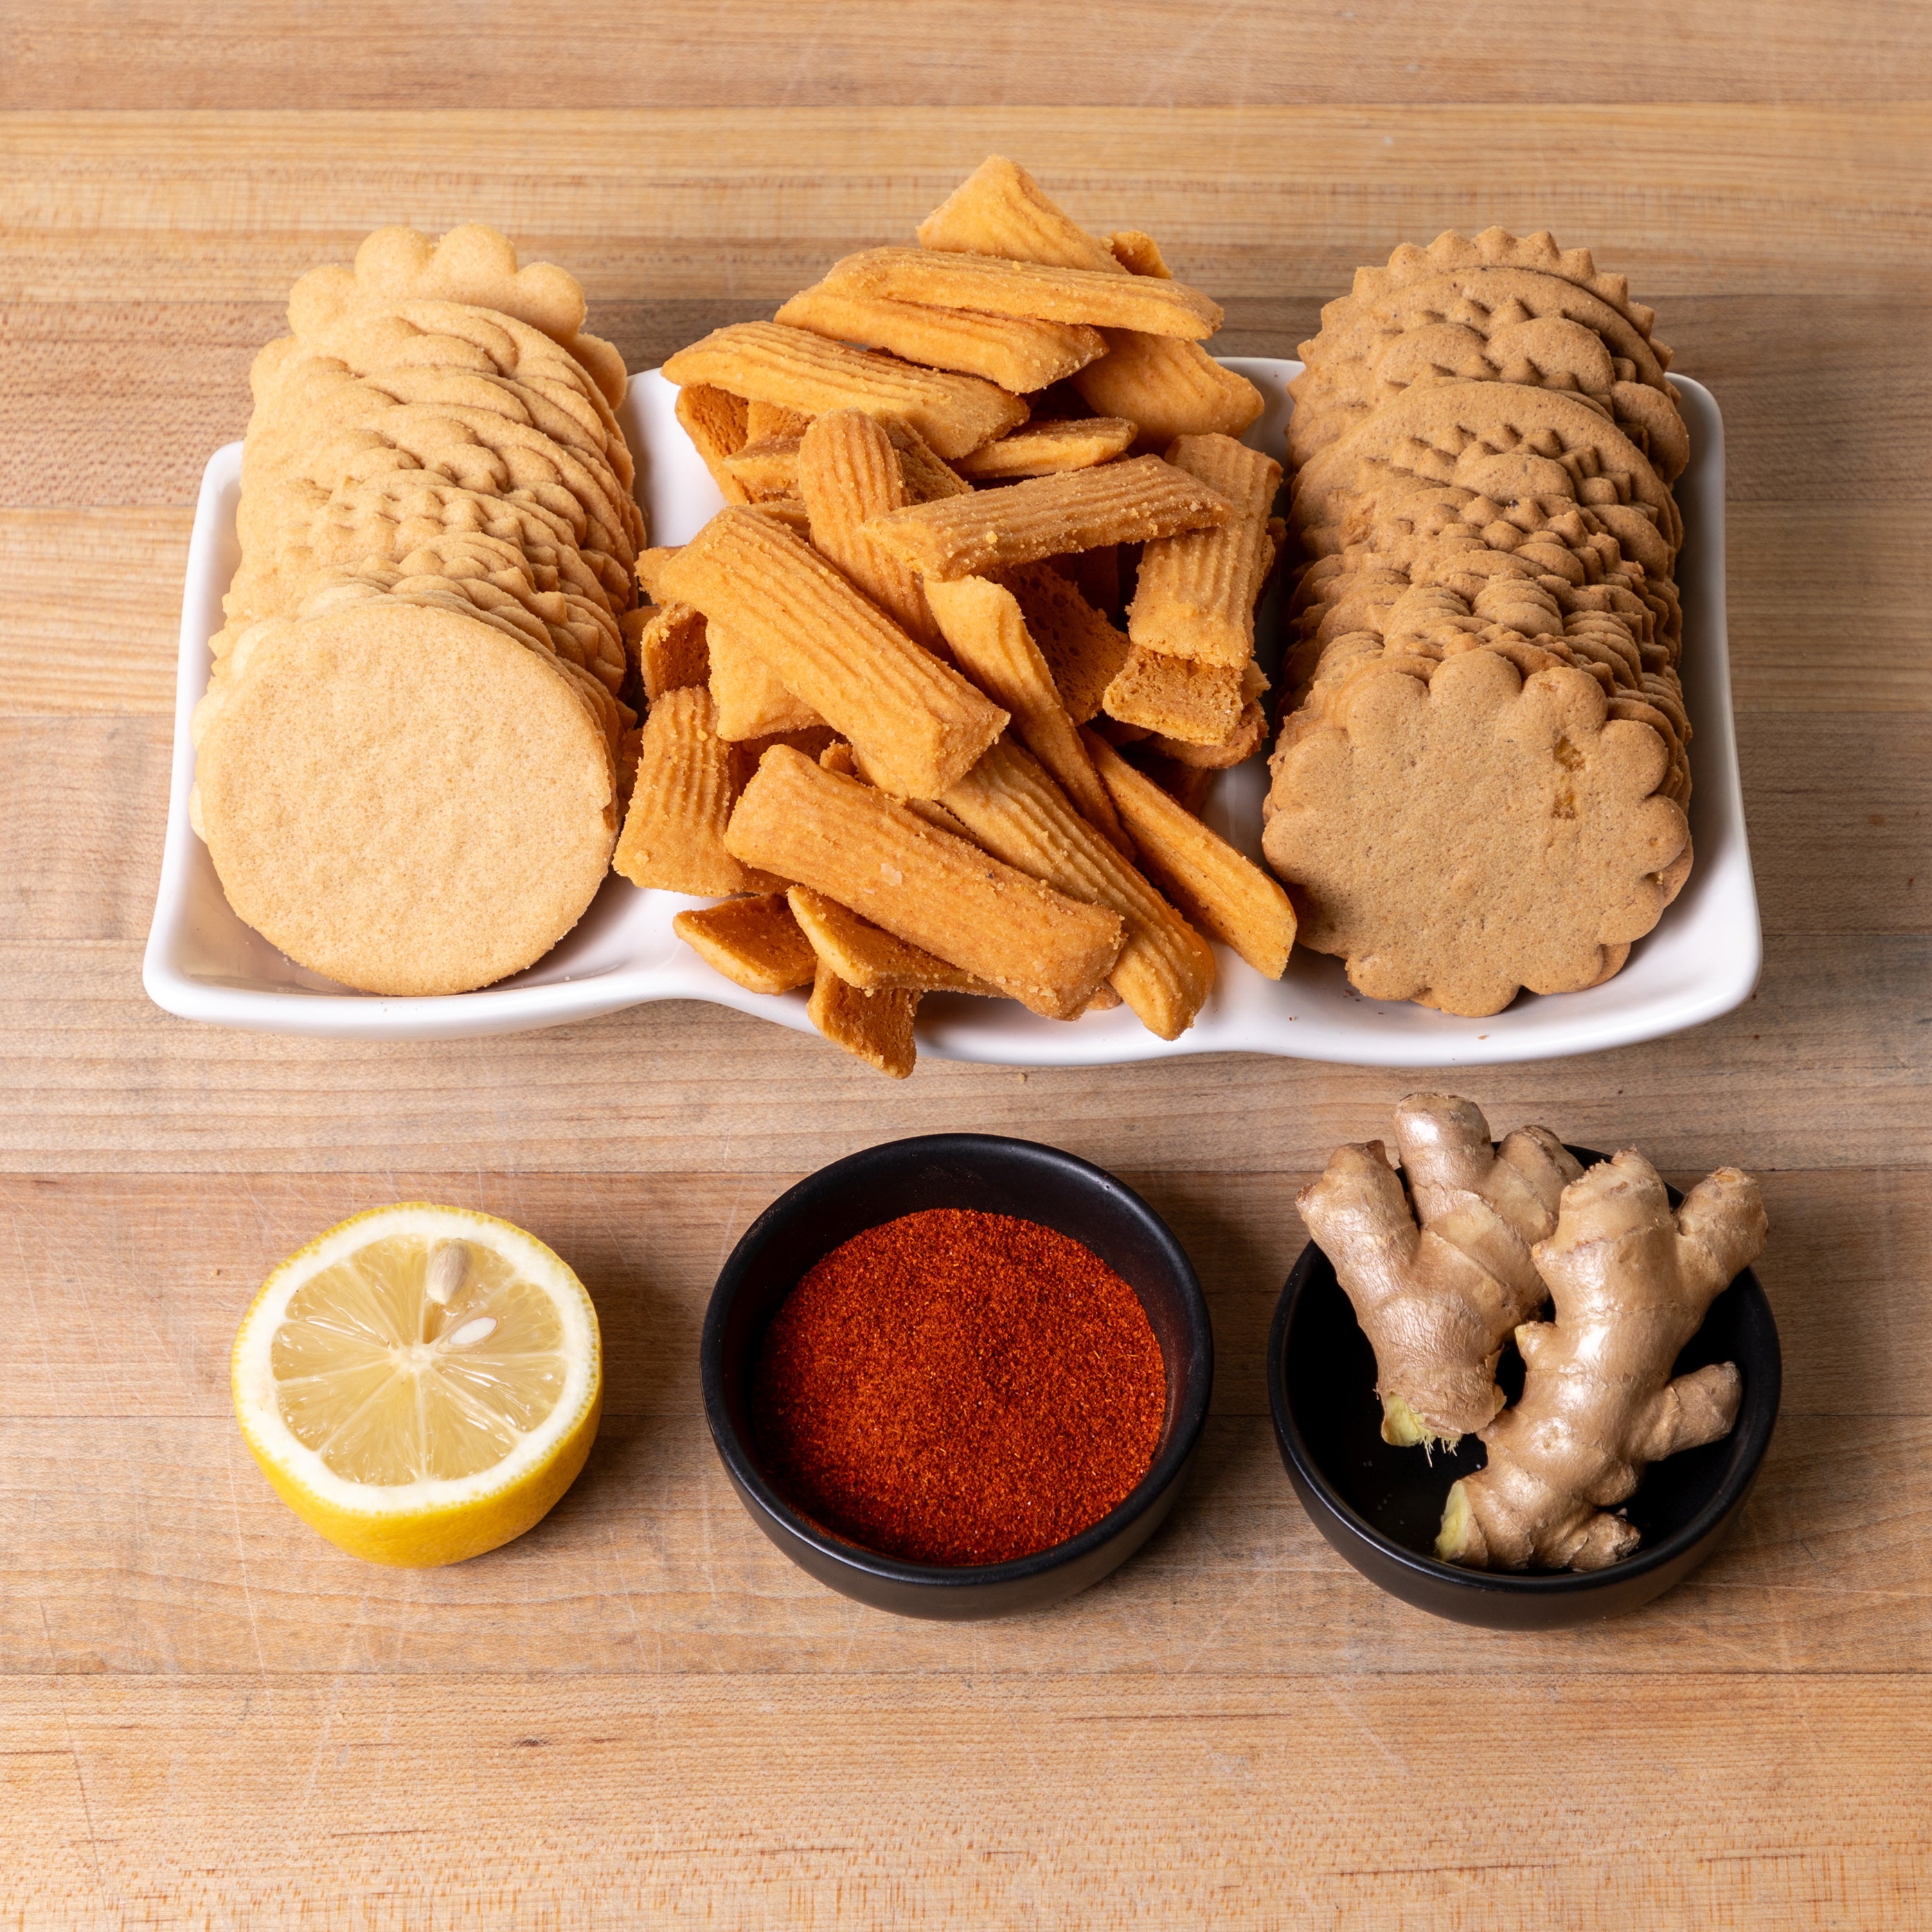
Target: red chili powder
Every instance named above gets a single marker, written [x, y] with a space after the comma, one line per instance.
[954, 1387]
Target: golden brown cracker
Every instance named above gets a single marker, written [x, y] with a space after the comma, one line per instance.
[1456, 840]
[354, 828]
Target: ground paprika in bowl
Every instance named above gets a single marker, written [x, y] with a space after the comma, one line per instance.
[958, 1376]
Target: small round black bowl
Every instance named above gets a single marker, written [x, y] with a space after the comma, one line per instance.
[990, 1175]
[1380, 1506]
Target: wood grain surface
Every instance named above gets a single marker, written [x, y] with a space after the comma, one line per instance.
[640, 1713]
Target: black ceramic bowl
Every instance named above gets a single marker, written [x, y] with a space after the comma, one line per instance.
[1380, 1506]
[991, 1175]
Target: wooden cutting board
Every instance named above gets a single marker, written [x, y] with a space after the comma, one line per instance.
[641, 1713]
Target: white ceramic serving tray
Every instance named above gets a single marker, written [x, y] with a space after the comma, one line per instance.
[203, 963]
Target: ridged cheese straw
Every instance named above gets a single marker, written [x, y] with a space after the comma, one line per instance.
[1014, 351]
[924, 886]
[1085, 651]
[1000, 209]
[806, 372]
[991, 285]
[915, 722]
[1195, 595]
[867, 957]
[849, 473]
[993, 530]
[1221, 891]
[673, 835]
[1166, 970]
[989, 637]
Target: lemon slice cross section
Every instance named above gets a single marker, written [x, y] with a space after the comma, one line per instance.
[420, 1384]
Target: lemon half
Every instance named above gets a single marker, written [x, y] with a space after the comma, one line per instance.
[420, 1384]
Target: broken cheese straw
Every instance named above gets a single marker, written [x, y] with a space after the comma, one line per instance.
[925, 887]
[875, 1027]
[915, 721]
[1166, 970]
[991, 285]
[1084, 650]
[671, 647]
[1186, 698]
[1000, 209]
[867, 957]
[848, 473]
[1015, 352]
[715, 419]
[755, 942]
[753, 701]
[1045, 449]
[1212, 883]
[993, 530]
[1195, 595]
[804, 372]
[983, 624]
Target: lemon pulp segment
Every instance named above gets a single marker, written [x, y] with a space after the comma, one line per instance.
[420, 1384]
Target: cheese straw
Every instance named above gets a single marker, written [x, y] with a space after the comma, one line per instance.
[867, 957]
[915, 722]
[924, 886]
[848, 473]
[989, 640]
[1014, 351]
[1165, 969]
[1217, 888]
[802, 371]
[1195, 595]
[673, 835]
[993, 287]
[993, 530]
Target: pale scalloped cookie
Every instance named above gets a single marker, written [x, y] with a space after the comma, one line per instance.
[472, 264]
[1458, 840]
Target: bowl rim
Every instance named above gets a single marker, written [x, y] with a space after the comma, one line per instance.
[1194, 1378]
[1757, 1418]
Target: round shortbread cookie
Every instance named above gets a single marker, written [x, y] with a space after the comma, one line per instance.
[406, 799]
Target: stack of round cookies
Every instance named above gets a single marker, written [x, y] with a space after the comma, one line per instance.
[407, 761]
[1480, 780]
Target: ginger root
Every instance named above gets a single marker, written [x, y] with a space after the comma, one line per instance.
[1438, 1299]
[1631, 1283]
